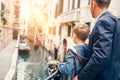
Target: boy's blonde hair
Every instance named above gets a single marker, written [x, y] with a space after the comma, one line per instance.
[81, 30]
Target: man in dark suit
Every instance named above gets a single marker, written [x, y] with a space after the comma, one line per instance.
[104, 45]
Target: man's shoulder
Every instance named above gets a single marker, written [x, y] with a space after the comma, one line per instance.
[107, 16]
[107, 19]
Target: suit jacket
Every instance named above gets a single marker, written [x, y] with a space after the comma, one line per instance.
[104, 50]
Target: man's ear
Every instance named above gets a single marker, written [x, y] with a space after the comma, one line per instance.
[93, 4]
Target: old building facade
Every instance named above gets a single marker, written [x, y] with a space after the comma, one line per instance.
[6, 22]
[64, 14]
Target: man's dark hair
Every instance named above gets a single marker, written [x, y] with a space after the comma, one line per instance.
[103, 3]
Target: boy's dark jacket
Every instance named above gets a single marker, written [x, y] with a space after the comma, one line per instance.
[72, 64]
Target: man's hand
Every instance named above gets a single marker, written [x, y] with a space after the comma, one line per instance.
[53, 64]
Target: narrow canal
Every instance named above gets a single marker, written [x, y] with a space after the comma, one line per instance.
[32, 65]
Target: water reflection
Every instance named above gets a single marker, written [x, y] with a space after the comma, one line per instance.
[24, 55]
[32, 66]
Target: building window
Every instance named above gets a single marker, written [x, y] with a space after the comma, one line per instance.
[89, 24]
[78, 3]
[49, 30]
[68, 4]
[2, 9]
[54, 30]
[89, 2]
[60, 30]
[61, 6]
[73, 3]
[56, 11]
[69, 30]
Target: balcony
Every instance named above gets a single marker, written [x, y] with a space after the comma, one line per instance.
[16, 20]
[17, 2]
[70, 16]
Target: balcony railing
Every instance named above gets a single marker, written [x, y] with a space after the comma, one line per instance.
[70, 16]
[16, 20]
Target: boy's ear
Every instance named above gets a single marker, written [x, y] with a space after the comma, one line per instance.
[75, 36]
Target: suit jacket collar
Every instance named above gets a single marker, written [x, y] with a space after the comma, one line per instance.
[103, 13]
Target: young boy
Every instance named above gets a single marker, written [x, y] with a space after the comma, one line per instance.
[76, 56]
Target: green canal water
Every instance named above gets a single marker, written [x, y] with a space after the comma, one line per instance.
[32, 65]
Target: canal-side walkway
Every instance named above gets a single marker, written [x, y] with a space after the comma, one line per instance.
[8, 61]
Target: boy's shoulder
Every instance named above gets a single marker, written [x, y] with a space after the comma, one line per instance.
[79, 47]
[81, 50]
[78, 51]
